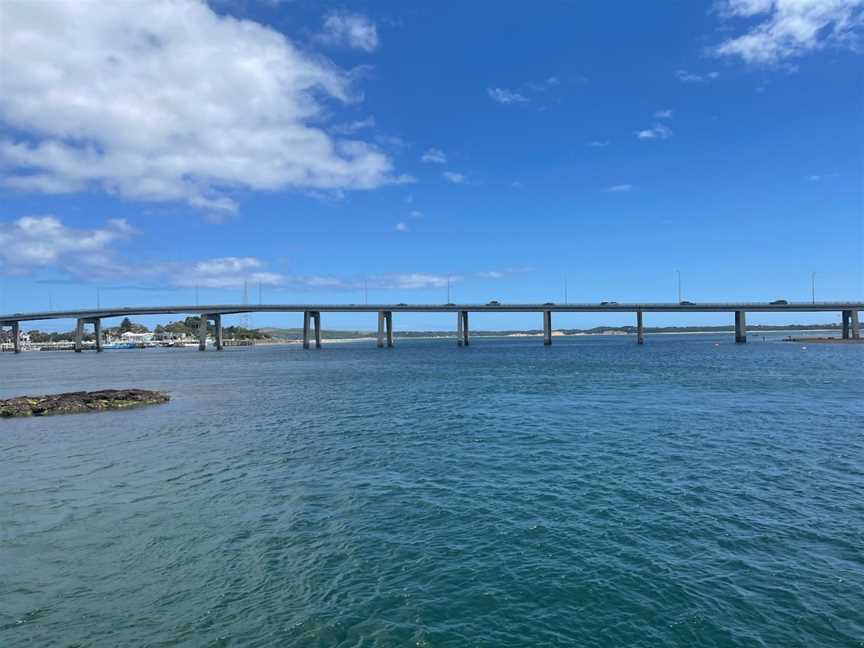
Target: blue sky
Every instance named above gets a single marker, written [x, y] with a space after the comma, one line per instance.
[315, 148]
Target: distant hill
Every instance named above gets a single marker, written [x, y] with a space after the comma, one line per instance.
[333, 334]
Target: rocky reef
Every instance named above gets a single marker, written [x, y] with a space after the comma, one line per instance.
[80, 402]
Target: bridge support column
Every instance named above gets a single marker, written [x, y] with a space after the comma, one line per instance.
[640, 332]
[306, 317]
[856, 326]
[547, 327]
[97, 330]
[16, 337]
[380, 329]
[79, 334]
[217, 323]
[316, 318]
[846, 318]
[202, 333]
[388, 320]
[464, 317]
[740, 327]
[460, 335]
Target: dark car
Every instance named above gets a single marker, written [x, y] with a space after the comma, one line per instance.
[608, 303]
[779, 302]
[493, 303]
[686, 303]
[549, 304]
[401, 304]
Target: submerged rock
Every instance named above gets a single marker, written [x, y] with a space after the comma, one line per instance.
[78, 402]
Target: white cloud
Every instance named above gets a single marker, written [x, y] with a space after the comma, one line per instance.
[663, 114]
[789, 29]
[169, 101]
[659, 131]
[416, 280]
[505, 96]
[598, 143]
[352, 127]
[492, 274]
[620, 188]
[416, 214]
[350, 30]
[224, 272]
[44, 242]
[434, 156]
[401, 227]
[455, 178]
[691, 77]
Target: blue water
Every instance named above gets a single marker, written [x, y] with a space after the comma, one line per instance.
[691, 492]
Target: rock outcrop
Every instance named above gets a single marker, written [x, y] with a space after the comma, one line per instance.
[79, 402]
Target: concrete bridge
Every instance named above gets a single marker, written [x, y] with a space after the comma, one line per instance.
[312, 316]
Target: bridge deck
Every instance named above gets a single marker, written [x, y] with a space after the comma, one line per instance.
[232, 309]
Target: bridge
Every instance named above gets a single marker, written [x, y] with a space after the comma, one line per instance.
[312, 316]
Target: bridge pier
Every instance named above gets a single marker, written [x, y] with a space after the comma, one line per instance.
[388, 320]
[740, 327]
[463, 317]
[313, 318]
[459, 333]
[640, 332]
[217, 323]
[202, 333]
[79, 334]
[856, 326]
[381, 318]
[16, 337]
[547, 327]
[97, 330]
[846, 318]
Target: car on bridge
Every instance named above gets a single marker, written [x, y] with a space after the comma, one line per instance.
[686, 303]
[779, 302]
[494, 303]
[608, 303]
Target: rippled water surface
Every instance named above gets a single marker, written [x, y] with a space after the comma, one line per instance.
[690, 492]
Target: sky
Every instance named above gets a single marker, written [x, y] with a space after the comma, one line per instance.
[160, 153]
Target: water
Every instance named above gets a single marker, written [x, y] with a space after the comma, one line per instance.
[595, 493]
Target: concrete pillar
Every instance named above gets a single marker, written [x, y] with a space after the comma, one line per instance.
[547, 327]
[202, 333]
[316, 318]
[640, 332]
[16, 337]
[460, 336]
[97, 330]
[856, 326]
[464, 316]
[306, 316]
[847, 317]
[217, 322]
[740, 327]
[388, 319]
[79, 334]
[380, 329]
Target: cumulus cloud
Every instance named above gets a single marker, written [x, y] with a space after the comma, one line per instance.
[350, 30]
[505, 96]
[223, 272]
[352, 127]
[434, 156]
[659, 131]
[455, 178]
[401, 227]
[44, 242]
[169, 101]
[691, 77]
[620, 188]
[787, 29]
